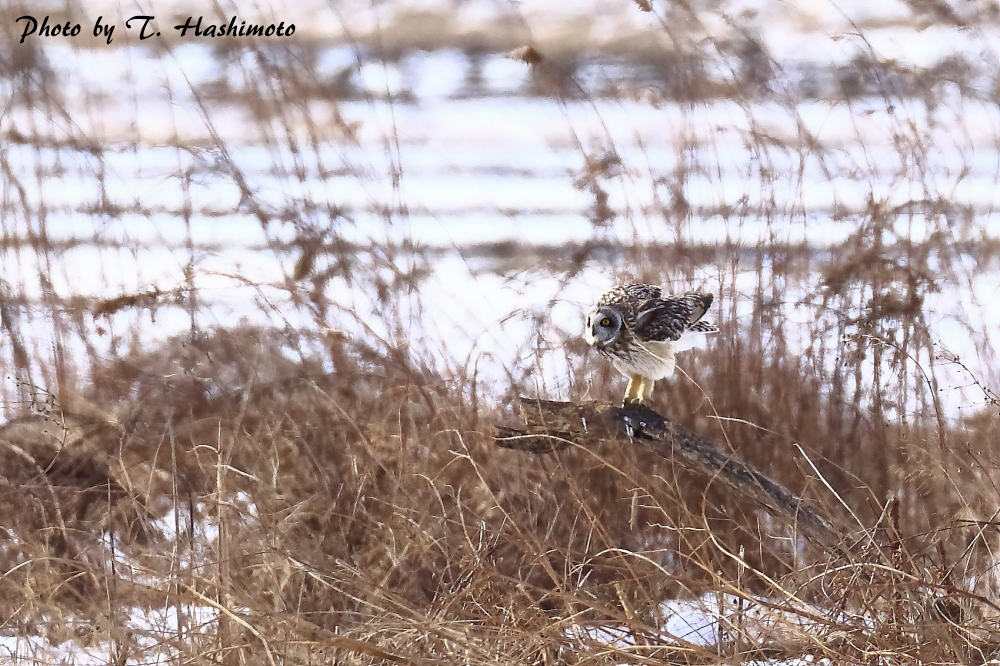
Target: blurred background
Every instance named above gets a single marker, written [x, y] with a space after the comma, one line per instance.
[426, 197]
[391, 173]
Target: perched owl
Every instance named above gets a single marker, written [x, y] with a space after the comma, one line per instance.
[640, 329]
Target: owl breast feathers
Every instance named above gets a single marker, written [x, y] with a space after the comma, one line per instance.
[640, 330]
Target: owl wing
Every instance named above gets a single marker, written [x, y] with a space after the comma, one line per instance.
[661, 319]
[629, 294]
[704, 327]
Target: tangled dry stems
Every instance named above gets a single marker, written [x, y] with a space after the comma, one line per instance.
[278, 496]
[312, 508]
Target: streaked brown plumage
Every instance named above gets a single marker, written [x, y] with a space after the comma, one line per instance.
[640, 330]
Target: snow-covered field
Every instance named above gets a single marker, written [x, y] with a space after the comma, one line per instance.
[476, 169]
[451, 166]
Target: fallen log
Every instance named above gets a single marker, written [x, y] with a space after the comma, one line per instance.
[551, 425]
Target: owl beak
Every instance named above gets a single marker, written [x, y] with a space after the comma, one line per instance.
[588, 332]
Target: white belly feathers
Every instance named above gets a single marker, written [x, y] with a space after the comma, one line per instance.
[654, 361]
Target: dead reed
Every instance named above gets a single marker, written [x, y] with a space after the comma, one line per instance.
[300, 472]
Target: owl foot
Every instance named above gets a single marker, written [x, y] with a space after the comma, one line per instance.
[638, 391]
[633, 392]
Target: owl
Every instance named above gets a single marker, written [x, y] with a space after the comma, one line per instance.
[639, 329]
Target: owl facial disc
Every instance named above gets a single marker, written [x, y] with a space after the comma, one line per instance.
[604, 325]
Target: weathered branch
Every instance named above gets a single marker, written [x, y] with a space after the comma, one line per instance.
[551, 425]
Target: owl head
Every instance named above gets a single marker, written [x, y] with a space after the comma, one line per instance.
[604, 326]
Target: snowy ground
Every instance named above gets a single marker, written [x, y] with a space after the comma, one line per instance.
[498, 166]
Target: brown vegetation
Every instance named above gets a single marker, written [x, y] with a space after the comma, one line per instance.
[367, 511]
[328, 487]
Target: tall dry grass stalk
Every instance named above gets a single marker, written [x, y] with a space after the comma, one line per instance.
[327, 487]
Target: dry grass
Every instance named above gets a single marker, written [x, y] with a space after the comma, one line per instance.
[298, 493]
[369, 503]
[309, 507]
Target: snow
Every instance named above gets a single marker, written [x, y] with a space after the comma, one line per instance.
[490, 165]
[716, 621]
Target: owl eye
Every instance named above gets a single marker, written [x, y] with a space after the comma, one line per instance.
[606, 322]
